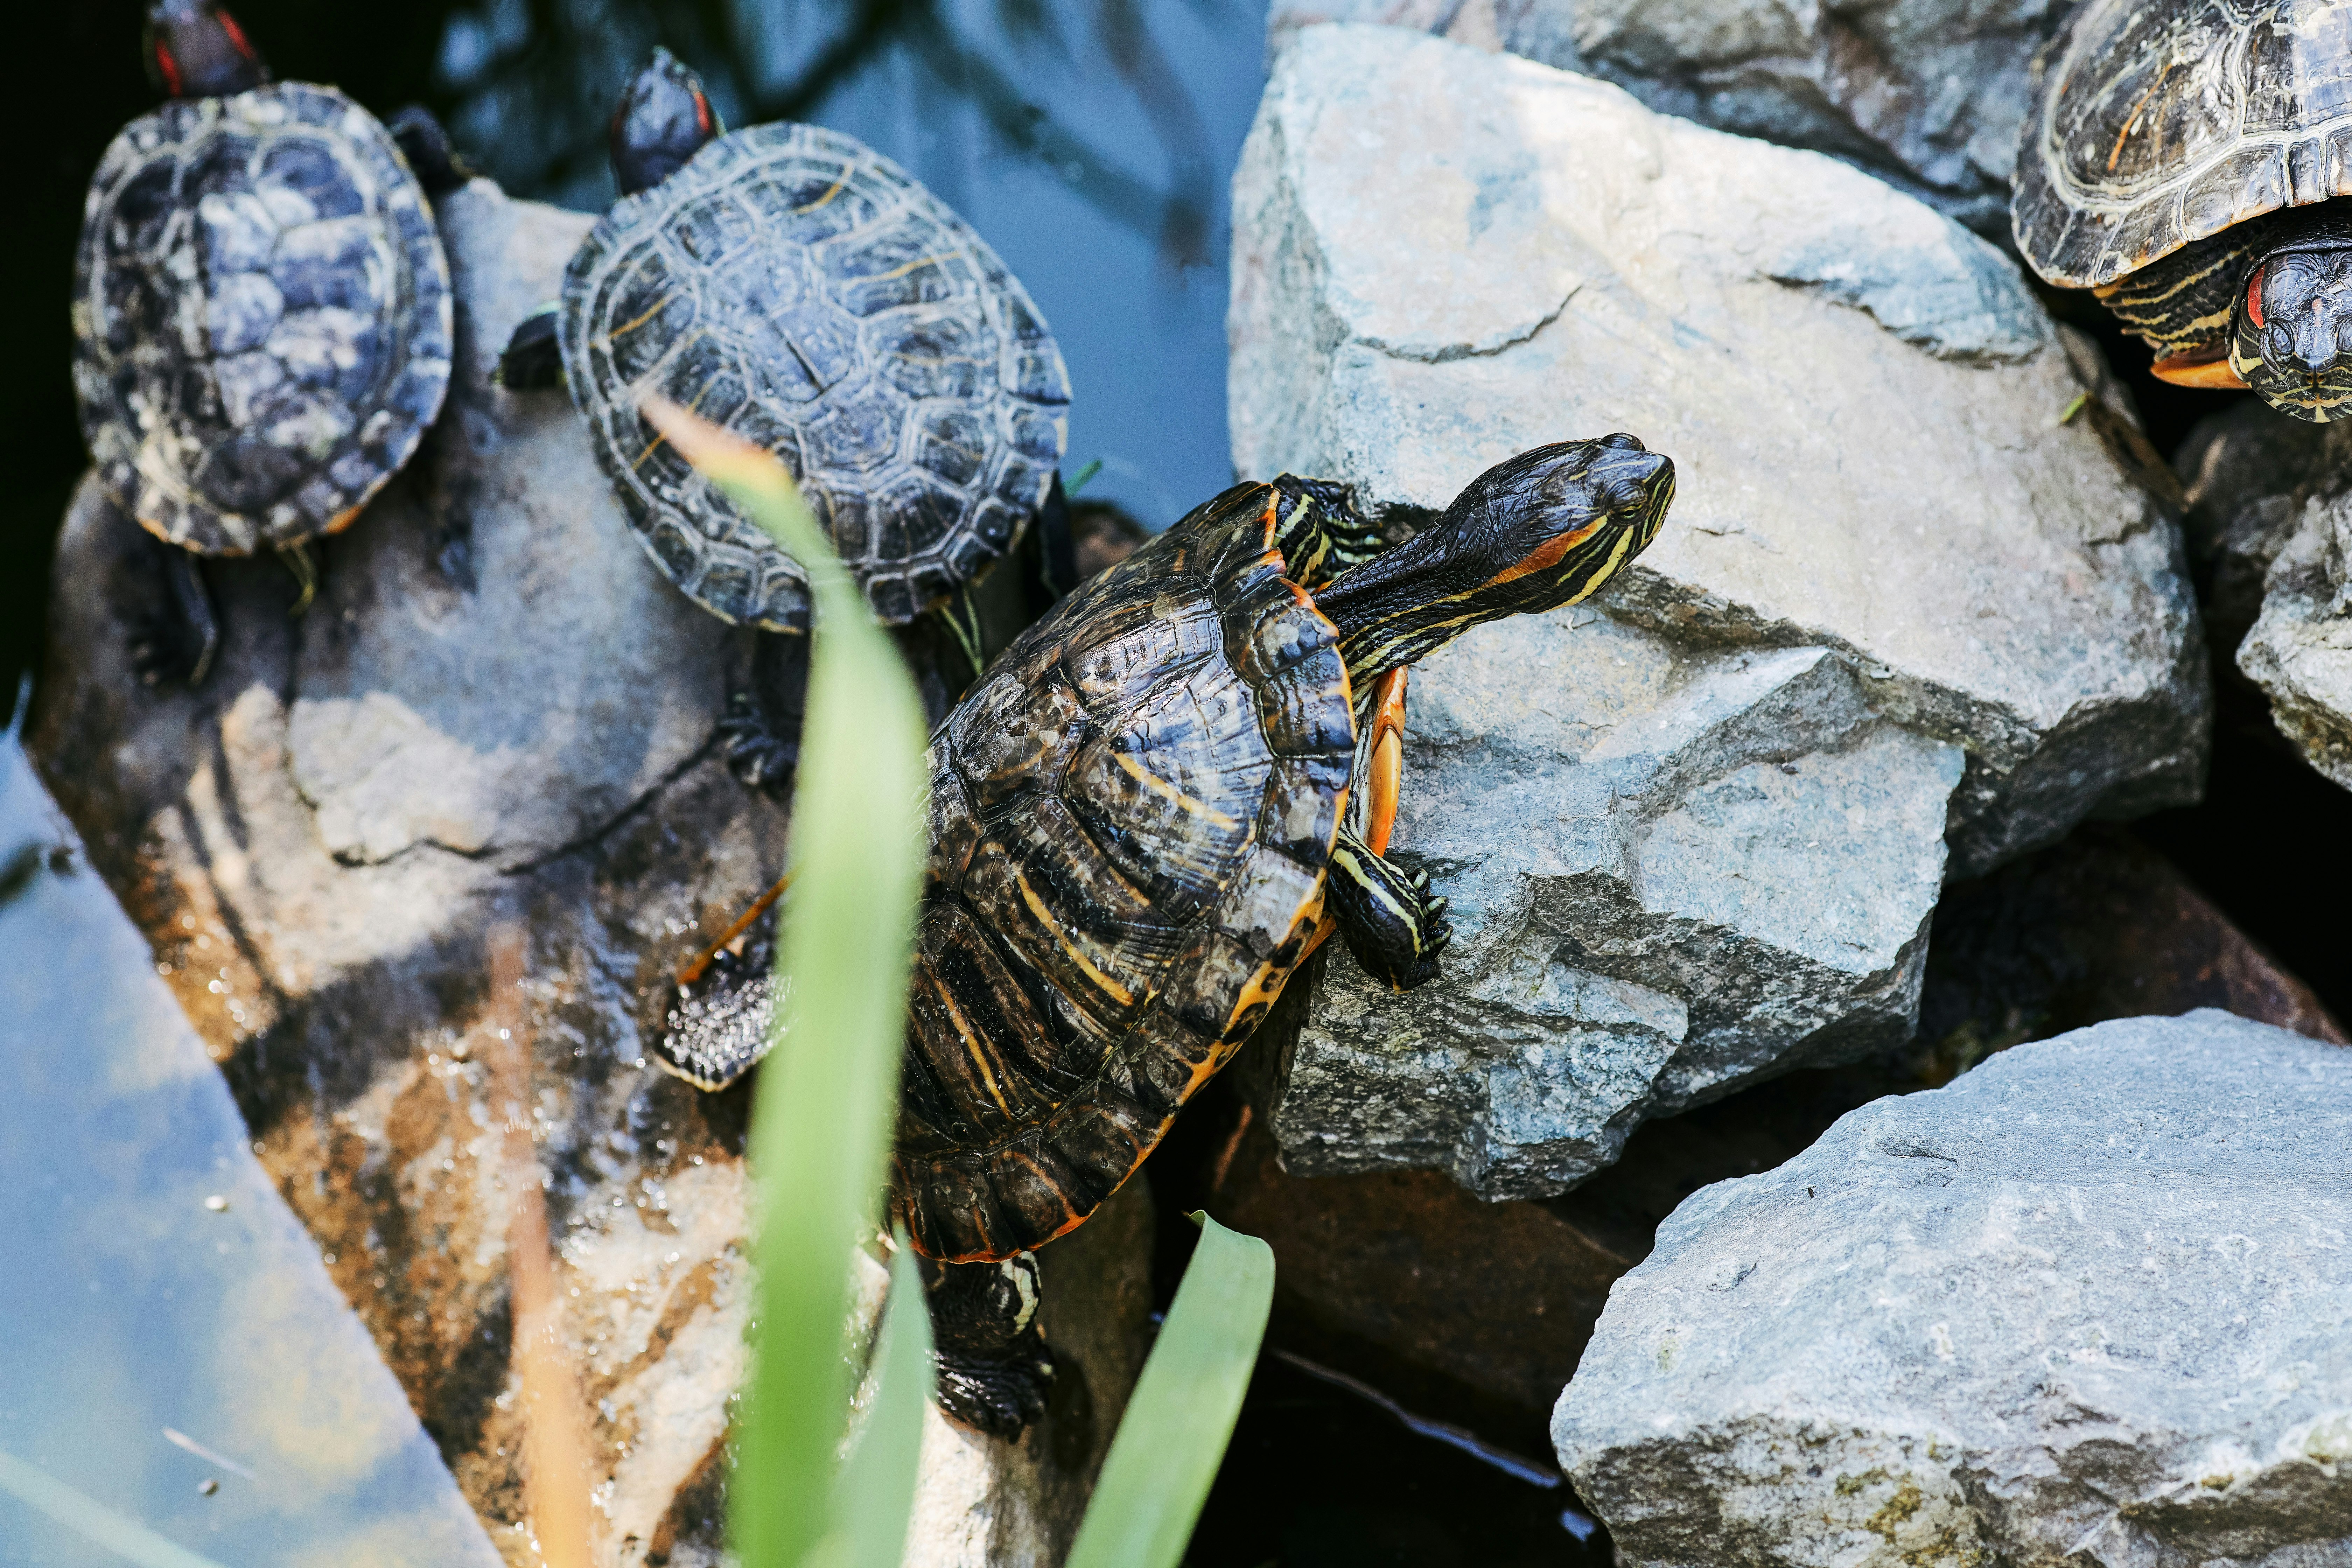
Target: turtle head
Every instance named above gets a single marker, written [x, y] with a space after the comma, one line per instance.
[1542, 529]
[664, 118]
[195, 49]
[2291, 331]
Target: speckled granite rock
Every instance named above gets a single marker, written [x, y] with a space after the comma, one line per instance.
[2299, 649]
[1903, 620]
[2089, 1303]
[1929, 94]
[495, 711]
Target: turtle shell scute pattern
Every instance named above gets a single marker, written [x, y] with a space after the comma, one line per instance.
[801, 290]
[1131, 819]
[261, 317]
[2157, 125]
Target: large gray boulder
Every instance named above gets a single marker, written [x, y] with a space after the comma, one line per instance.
[2299, 649]
[497, 711]
[1907, 619]
[1931, 95]
[2090, 1303]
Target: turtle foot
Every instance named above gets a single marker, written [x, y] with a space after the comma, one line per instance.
[717, 1027]
[994, 1367]
[432, 158]
[756, 754]
[173, 643]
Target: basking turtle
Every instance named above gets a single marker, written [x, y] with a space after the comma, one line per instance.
[2184, 159]
[261, 315]
[791, 284]
[1158, 801]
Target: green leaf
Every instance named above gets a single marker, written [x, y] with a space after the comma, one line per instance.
[123, 1536]
[873, 1497]
[1174, 1436]
[828, 1091]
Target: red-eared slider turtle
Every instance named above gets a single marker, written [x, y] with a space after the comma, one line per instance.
[793, 285]
[1145, 815]
[261, 315]
[2185, 160]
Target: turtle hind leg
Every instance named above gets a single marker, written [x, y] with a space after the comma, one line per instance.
[761, 731]
[994, 1367]
[532, 360]
[1319, 531]
[431, 157]
[174, 642]
[1387, 915]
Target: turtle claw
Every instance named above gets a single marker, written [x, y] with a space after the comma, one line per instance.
[997, 1397]
[756, 754]
[174, 643]
[994, 1368]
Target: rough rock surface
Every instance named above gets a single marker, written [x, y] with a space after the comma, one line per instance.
[1899, 604]
[1929, 94]
[495, 711]
[2299, 649]
[2089, 1303]
[2251, 474]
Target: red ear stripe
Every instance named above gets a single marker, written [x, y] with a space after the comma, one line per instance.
[2254, 295]
[235, 34]
[170, 68]
[701, 112]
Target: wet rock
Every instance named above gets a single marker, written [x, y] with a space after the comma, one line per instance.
[2089, 1302]
[1931, 95]
[1694, 830]
[2299, 649]
[2099, 927]
[497, 711]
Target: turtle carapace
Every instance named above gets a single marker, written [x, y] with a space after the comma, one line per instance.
[2185, 160]
[261, 315]
[792, 285]
[1147, 814]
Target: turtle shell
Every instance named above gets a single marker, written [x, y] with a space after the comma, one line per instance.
[1131, 819]
[261, 317]
[2157, 124]
[801, 290]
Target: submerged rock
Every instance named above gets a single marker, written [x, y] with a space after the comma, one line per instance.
[1905, 619]
[2090, 1303]
[497, 711]
[1929, 94]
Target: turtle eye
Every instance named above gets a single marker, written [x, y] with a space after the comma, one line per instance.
[2254, 296]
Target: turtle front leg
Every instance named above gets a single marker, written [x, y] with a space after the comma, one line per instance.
[761, 731]
[176, 641]
[1387, 915]
[1321, 533]
[532, 360]
[994, 1367]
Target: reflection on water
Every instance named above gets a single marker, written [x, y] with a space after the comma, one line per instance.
[131, 1303]
[1090, 140]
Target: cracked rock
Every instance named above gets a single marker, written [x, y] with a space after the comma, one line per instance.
[1904, 620]
[495, 711]
[1931, 95]
[2089, 1303]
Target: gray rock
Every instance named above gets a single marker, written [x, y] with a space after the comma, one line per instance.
[1893, 566]
[2090, 1303]
[2299, 650]
[1931, 95]
[495, 711]
[2251, 474]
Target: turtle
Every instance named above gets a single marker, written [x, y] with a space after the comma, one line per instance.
[261, 315]
[2186, 160]
[791, 284]
[1155, 804]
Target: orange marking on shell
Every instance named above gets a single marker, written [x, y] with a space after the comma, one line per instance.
[2212, 374]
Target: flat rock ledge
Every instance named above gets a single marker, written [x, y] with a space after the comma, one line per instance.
[1906, 620]
[498, 712]
[2089, 1303]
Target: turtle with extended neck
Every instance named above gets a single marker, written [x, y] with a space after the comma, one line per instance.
[793, 286]
[261, 315]
[1145, 816]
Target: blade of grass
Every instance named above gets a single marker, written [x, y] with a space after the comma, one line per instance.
[873, 1497]
[821, 1124]
[88, 1516]
[1161, 1464]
